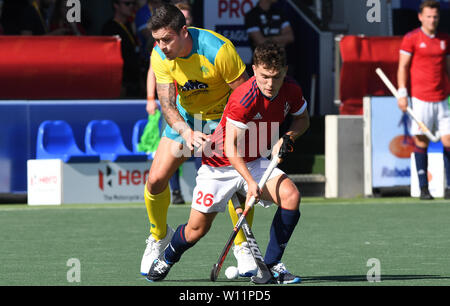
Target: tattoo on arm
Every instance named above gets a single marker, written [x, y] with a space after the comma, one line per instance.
[168, 100]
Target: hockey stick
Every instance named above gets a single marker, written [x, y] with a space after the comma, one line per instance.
[217, 266]
[264, 276]
[410, 112]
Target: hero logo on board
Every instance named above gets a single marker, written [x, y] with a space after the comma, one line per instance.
[121, 178]
[43, 180]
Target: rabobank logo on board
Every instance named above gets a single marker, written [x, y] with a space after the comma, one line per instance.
[396, 172]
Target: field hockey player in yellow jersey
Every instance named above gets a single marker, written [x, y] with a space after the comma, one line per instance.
[205, 68]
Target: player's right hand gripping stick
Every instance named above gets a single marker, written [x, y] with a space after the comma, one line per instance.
[287, 146]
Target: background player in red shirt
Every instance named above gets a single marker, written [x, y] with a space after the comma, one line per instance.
[425, 59]
[264, 99]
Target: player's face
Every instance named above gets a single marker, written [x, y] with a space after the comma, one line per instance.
[170, 42]
[429, 19]
[269, 81]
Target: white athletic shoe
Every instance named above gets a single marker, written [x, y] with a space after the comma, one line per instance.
[154, 249]
[246, 263]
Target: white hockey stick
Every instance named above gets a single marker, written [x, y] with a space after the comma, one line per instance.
[410, 112]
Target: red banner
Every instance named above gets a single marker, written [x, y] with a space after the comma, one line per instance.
[360, 57]
[60, 67]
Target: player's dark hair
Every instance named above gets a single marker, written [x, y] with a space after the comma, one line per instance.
[430, 4]
[167, 16]
[270, 55]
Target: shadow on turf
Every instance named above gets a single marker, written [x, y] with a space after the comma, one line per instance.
[322, 279]
[363, 278]
[219, 281]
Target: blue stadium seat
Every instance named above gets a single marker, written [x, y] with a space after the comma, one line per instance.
[103, 137]
[55, 140]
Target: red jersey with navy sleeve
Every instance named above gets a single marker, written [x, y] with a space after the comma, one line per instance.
[249, 109]
[428, 64]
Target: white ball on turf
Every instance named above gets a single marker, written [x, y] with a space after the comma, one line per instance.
[232, 272]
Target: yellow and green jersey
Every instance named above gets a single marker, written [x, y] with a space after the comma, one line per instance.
[203, 76]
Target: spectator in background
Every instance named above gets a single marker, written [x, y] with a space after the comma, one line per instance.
[176, 2]
[264, 22]
[120, 25]
[185, 8]
[144, 34]
[35, 19]
[59, 20]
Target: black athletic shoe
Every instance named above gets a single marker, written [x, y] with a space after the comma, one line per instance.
[447, 193]
[425, 194]
[283, 276]
[177, 198]
[159, 269]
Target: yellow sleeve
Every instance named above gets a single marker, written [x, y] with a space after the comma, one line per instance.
[162, 74]
[229, 63]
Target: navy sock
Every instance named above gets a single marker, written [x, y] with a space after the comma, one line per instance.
[175, 181]
[447, 165]
[421, 156]
[283, 226]
[177, 246]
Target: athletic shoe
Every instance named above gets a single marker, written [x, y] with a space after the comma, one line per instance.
[425, 194]
[246, 263]
[154, 249]
[283, 276]
[159, 269]
[177, 197]
[447, 193]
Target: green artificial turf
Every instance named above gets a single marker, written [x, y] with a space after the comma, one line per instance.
[332, 245]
